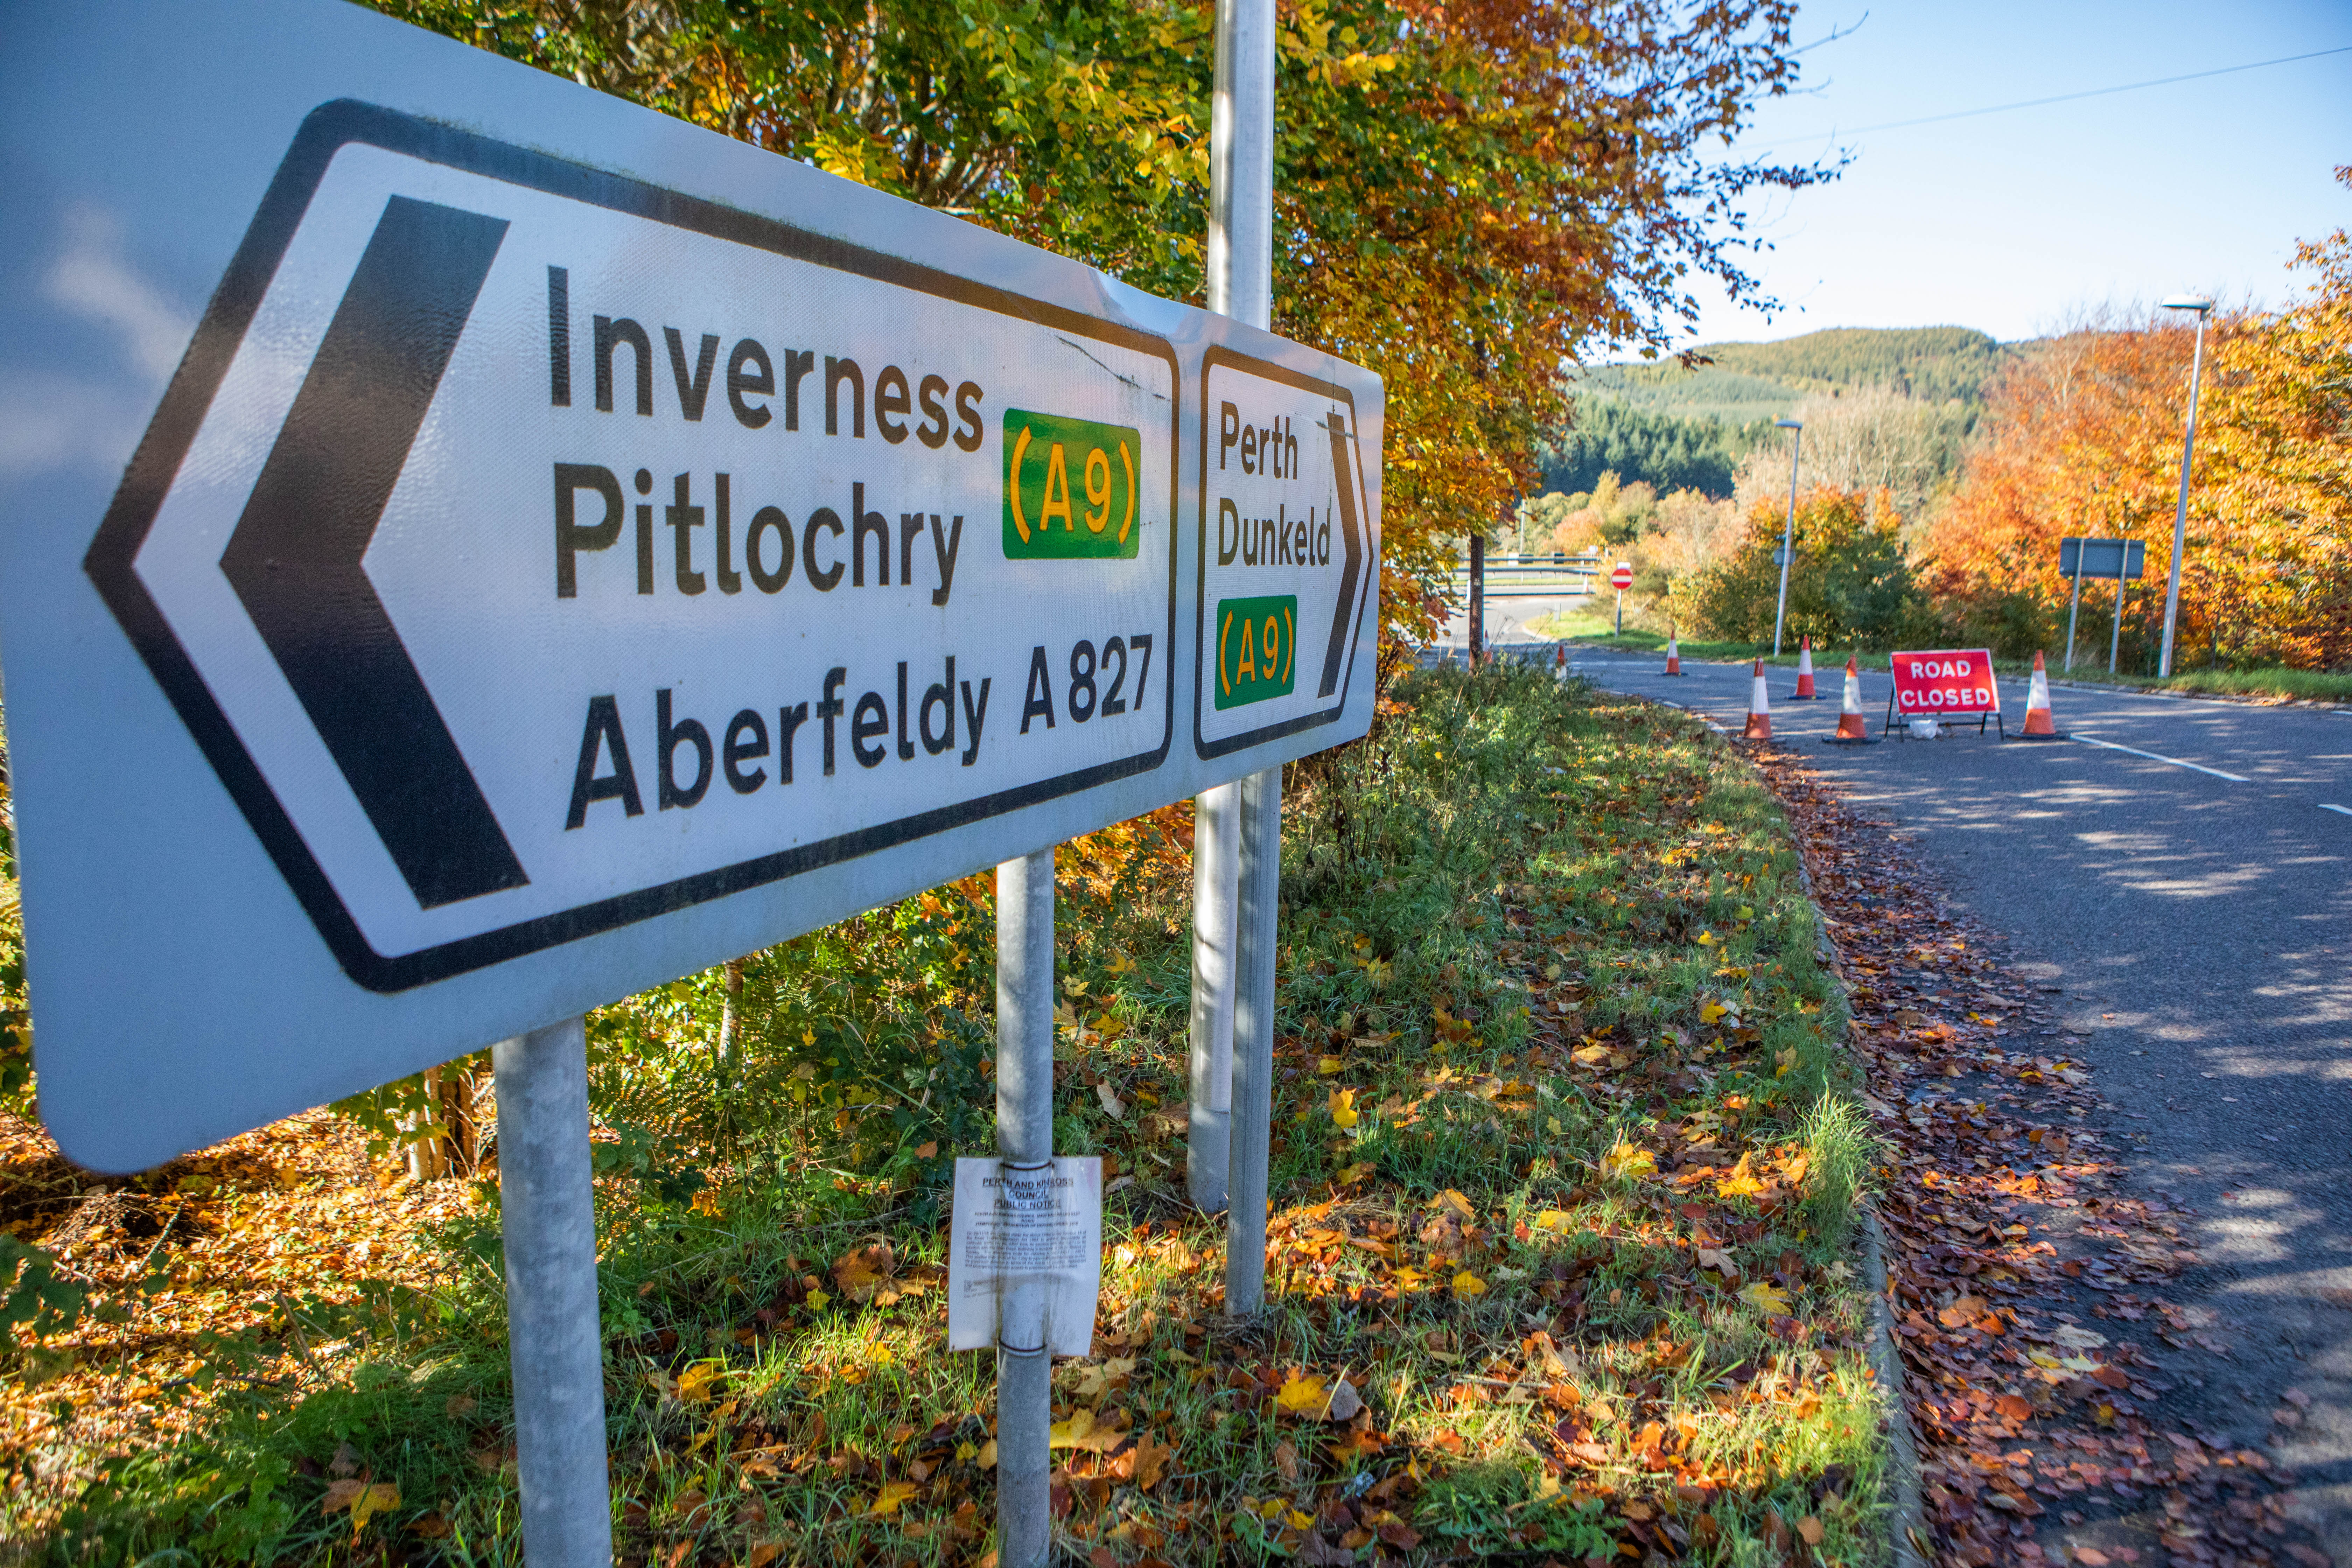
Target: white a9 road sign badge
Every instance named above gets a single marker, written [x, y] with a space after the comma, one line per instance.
[532, 551]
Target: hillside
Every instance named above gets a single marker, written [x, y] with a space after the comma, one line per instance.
[1673, 426]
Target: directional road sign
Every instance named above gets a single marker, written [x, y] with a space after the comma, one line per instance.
[473, 548]
[2116, 558]
[1284, 559]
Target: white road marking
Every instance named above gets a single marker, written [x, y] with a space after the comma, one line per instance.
[2174, 762]
[2346, 810]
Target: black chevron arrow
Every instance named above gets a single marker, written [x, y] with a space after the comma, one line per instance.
[1350, 530]
[295, 557]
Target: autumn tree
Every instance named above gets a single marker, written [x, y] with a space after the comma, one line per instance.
[1468, 195]
[2082, 436]
[1849, 581]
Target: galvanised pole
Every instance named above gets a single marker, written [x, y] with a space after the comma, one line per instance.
[2181, 512]
[1788, 533]
[1241, 285]
[1025, 1142]
[547, 1213]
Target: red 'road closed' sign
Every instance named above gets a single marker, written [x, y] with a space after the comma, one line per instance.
[1946, 680]
[1622, 578]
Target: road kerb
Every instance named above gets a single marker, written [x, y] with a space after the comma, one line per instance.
[1906, 1527]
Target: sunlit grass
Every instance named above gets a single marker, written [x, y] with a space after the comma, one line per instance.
[1560, 1195]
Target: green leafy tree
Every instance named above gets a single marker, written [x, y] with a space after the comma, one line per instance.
[1848, 583]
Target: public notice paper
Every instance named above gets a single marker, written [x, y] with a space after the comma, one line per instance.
[1014, 1226]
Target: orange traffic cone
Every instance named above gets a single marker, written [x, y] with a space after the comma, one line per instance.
[1674, 653]
[2038, 725]
[1853, 725]
[1805, 691]
[1759, 709]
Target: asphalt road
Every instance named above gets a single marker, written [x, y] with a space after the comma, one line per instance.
[2179, 870]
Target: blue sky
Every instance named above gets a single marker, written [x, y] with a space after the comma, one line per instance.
[2010, 222]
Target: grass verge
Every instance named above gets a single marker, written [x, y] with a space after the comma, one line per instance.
[1560, 1265]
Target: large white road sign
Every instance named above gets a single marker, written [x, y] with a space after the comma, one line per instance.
[534, 551]
[470, 547]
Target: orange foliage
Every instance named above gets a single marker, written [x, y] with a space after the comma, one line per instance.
[2083, 437]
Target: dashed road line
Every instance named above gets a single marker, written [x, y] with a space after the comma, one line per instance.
[2174, 762]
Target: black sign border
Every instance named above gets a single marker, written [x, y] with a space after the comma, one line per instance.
[155, 465]
[1267, 370]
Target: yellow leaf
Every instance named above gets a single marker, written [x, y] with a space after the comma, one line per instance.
[1552, 1126]
[1082, 1430]
[1555, 1220]
[1451, 1199]
[1120, 964]
[1468, 1284]
[887, 1499]
[1746, 913]
[1706, 939]
[1787, 1062]
[1711, 1012]
[1629, 1161]
[1742, 1182]
[1771, 1297]
[1303, 1395]
[988, 1455]
[1349, 1175]
[818, 1299]
[1590, 1056]
[694, 1383]
[1329, 1066]
[362, 1500]
[1343, 1107]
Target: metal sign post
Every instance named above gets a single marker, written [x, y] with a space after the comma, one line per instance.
[1025, 1142]
[1240, 267]
[1241, 284]
[536, 549]
[2073, 604]
[2121, 559]
[547, 1210]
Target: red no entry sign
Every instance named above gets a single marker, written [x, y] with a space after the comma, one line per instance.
[1622, 578]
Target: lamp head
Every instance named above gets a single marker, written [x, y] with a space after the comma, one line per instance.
[2196, 302]
[1790, 424]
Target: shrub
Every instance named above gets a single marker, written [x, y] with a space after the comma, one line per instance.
[1849, 582]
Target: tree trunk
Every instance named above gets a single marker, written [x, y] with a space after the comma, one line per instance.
[728, 1016]
[426, 1156]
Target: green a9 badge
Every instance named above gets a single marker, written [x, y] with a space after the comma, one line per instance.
[1255, 656]
[1069, 488]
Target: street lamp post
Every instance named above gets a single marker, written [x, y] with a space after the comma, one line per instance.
[2203, 307]
[1788, 533]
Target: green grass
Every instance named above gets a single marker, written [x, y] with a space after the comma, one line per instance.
[1551, 1021]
